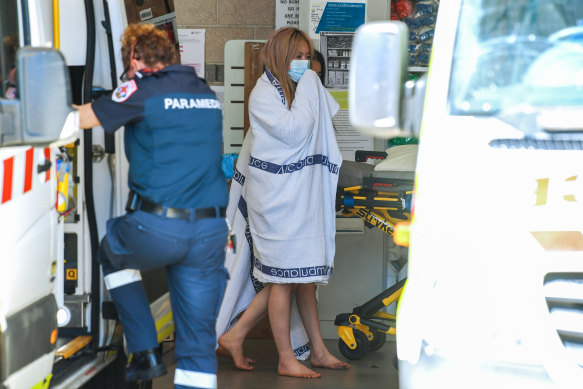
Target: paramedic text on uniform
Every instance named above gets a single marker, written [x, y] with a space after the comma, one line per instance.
[176, 210]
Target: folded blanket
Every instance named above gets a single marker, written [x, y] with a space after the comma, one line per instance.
[401, 158]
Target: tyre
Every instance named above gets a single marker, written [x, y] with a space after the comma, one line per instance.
[378, 340]
[362, 346]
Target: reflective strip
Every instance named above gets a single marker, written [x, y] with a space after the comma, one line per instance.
[17, 172]
[7, 186]
[121, 278]
[195, 379]
[44, 384]
[559, 240]
[28, 170]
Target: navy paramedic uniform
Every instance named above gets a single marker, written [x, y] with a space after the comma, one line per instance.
[173, 142]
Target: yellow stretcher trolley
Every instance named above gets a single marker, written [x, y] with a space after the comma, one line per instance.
[382, 198]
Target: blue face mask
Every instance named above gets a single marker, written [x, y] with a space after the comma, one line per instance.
[297, 67]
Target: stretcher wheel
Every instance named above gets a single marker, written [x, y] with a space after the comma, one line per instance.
[378, 340]
[362, 346]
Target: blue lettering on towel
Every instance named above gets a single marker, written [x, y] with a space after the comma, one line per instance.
[310, 160]
[297, 272]
[298, 352]
[257, 285]
[237, 176]
[275, 82]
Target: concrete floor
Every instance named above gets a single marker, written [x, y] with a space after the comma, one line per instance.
[374, 370]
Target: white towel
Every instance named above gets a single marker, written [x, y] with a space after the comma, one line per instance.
[242, 286]
[310, 115]
[293, 173]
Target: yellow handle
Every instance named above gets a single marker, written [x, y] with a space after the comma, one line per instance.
[56, 31]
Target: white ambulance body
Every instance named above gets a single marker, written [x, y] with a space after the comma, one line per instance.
[58, 187]
[28, 264]
[494, 297]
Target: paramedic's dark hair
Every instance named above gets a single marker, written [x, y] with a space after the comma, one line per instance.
[147, 43]
[279, 51]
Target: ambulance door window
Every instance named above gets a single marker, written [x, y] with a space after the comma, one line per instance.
[9, 36]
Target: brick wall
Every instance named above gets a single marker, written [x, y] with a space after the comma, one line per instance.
[224, 20]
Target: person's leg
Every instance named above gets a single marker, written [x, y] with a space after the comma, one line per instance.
[307, 306]
[131, 302]
[279, 315]
[232, 340]
[197, 285]
[133, 309]
[133, 243]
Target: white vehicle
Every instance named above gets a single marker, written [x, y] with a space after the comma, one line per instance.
[494, 297]
[58, 186]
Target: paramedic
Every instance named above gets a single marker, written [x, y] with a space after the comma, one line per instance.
[291, 128]
[175, 213]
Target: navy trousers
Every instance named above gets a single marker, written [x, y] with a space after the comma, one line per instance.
[192, 252]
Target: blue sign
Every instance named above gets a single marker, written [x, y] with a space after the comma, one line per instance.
[342, 17]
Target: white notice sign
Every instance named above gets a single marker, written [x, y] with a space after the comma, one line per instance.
[287, 13]
[348, 138]
[192, 48]
[335, 16]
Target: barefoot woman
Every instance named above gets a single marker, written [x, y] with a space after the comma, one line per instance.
[290, 186]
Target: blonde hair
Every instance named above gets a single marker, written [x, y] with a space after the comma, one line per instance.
[279, 51]
[147, 43]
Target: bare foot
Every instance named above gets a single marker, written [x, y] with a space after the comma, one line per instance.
[293, 368]
[223, 352]
[328, 361]
[233, 349]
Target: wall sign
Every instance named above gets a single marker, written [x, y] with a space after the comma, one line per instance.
[348, 138]
[192, 48]
[287, 13]
[336, 16]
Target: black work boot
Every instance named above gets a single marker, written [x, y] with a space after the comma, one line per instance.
[145, 366]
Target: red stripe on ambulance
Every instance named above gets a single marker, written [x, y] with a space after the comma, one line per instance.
[18, 171]
[28, 170]
[7, 184]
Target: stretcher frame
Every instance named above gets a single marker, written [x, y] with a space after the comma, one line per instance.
[382, 202]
